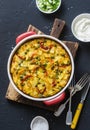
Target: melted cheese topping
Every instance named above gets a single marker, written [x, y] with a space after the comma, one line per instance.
[41, 67]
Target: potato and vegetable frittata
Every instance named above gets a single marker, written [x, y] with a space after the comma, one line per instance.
[41, 67]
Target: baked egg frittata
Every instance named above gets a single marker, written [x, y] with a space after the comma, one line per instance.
[40, 67]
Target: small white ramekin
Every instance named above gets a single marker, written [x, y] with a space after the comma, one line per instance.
[46, 12]
[39, 122]
[73, 25]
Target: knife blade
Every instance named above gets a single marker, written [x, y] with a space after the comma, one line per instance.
[80, 106]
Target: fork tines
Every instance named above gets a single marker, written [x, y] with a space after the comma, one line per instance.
[82, 82]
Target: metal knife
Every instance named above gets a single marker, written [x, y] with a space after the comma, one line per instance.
[80, 106]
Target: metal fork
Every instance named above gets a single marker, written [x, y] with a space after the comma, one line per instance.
[79, 86]
[69, 113]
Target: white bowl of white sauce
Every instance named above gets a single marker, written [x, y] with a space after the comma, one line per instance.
[81, 27]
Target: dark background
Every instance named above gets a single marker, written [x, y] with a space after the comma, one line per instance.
[15, 16]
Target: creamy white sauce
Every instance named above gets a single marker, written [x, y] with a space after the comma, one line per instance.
[82, 29]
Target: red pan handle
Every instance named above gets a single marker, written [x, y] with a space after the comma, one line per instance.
[24, 35]
[56, 100]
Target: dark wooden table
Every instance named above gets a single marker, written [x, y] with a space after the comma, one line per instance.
[15, 16]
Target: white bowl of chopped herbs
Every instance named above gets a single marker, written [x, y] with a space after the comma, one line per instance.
[48, 6]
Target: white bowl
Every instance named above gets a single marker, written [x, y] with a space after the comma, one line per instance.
[81, 27]
[14, 51]
[39, 122]
[47, 11]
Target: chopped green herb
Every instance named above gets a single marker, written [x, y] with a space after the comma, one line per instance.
[48, 5]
